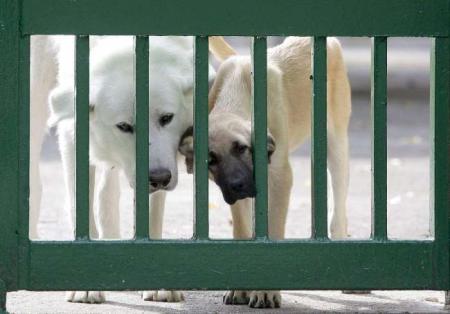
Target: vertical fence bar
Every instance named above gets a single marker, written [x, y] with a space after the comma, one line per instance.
[319, 138]
[142, 136]
[379, 148]
[259, 134]
[201, 137]
[24, 161]
[439, 196]
[82, 137]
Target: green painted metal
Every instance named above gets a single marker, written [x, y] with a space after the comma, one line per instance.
[317, 263]
[234, 264]
[2, 297]
[9, 144]
[259, 135]
[201, 138]
[289, 17]
[82, 137]
[319, 227]
[142, 136]
[379, 138]
[24, 161]
[440, 189]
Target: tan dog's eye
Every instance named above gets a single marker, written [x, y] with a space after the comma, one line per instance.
[213, 160]
[240, 148]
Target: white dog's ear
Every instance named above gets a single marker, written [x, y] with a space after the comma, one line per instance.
[61, 102]
[186, 148]
[188, 85]
[270, 146]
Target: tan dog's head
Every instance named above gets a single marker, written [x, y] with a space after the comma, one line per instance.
[230, 155]
[230, 143]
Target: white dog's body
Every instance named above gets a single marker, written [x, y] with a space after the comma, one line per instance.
[289, 123]
[112, 139]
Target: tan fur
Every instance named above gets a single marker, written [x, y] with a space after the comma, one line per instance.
[289, 122]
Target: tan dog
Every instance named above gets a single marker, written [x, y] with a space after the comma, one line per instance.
[289, 124]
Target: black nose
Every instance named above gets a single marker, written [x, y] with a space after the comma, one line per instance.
[237, 185]
[159, 178]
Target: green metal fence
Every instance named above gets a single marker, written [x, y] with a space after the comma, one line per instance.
[202, 263]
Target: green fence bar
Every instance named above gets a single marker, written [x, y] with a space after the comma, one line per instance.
[24, 121]
[201, 138]
[260, 134]
[142, 136]
[82, 137]
[379, 148]
[439, 193]
[319, 138]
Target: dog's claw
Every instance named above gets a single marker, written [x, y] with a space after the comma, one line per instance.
[265, 299]
[163, 296]
[85, 296]
[235, 297]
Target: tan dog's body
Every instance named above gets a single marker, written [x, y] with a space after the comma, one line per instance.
[289, 123]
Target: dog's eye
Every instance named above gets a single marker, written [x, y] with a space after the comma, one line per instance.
[240, 149]
[213, 160]
[165, 119]
[125, 127]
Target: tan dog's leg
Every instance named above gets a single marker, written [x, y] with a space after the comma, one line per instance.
[338, 166]
[242, 215]
[157, 203]
[279, 195]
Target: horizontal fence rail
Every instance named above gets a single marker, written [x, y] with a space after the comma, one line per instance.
[236, 17]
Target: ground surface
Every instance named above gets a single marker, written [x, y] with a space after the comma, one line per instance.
[408, 209]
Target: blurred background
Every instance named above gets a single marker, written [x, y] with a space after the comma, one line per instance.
[408, 157]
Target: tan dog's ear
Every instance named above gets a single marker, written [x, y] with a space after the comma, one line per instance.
[220, 48]
[186, 148]
[270, 146]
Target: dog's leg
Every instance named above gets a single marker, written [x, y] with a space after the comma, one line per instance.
[242, 215]
[157, 203]
[279, 196]
[93, 230]
[338, 166]
[107, 204]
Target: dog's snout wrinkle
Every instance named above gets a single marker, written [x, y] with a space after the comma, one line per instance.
[159, 178]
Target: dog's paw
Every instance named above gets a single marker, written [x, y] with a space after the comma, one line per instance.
[163, 296]
[236, 297]
[85, 296]
[265, 299]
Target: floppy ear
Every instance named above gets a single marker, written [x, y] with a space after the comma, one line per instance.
[270, 146]
[186, 148]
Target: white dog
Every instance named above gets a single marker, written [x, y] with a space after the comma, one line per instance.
[112, 138]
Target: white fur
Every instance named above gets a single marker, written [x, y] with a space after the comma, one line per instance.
[112, 97]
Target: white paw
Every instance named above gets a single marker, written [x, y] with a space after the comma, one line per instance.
[85, 296]
[258, 299]
[236, 297]
[163, 296]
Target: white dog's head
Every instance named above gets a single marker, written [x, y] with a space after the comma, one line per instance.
[112, 101]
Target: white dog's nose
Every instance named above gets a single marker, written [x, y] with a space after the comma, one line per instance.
[159, 178]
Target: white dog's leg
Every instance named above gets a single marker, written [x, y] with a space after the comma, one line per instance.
[157, 203]
[338, 166]
[107, 204]
[93, 230]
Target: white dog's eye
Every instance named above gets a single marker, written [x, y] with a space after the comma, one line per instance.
[125, 127]
[165, 119]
